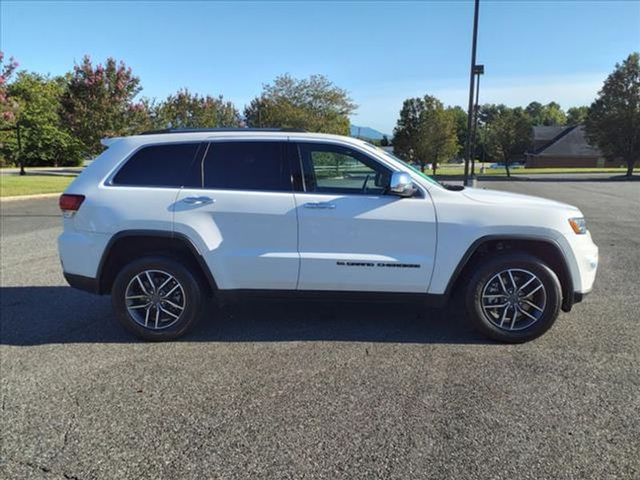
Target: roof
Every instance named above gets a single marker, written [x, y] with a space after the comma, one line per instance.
[544, 133]
[245, 133]
[571, 141]
[223, 129]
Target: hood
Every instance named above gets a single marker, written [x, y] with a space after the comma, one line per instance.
[512, 199]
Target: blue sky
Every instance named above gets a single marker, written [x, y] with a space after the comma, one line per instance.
[381, 52]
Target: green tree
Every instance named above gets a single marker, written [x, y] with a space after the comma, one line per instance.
[550, 114]
[314, 104]
[508, 134]
[489, 112]
[98, 102]
[426, 132]
[45, 142]
[438, 129]
[384, 142]
[187, 110]
[577, 115]
[406, 134]
[553, 114]
[460, 120]
[613, 123]
[534, 110]
[141, 116]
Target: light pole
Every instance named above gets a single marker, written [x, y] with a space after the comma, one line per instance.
[471, 91]
[477, 70]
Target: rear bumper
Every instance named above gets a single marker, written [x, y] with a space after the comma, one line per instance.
[87, 284]
[81, 252]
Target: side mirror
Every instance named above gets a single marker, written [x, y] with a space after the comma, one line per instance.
[401, 184]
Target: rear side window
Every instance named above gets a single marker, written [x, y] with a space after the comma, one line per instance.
[158, 166]
[246, 166]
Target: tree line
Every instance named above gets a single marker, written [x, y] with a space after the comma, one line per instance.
[427, 132]
[63, 118]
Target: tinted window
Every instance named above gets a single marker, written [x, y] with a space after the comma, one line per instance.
[158, 165]
[335, 169]
[246, 166]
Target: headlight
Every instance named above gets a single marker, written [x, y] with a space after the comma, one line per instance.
[578, 225]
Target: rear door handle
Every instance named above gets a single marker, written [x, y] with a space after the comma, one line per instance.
[198, 200]
[325, 205]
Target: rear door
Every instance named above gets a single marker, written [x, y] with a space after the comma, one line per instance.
[354, 236]
[238, 204]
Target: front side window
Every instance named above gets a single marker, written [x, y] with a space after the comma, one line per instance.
[246, 166]
[336, 169]
[157, 166]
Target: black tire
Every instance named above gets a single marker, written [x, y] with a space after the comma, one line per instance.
[488, 317]
[189, 295]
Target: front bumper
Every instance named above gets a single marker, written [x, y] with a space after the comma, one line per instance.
[569, 302]
[582, 259]
[579, 296]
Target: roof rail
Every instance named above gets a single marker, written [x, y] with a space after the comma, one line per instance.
[199, 130]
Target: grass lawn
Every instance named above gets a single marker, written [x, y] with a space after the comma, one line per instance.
[13, 185]
[458, 170]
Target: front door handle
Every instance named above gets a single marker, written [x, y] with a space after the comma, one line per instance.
[198, 200]
[325, 205]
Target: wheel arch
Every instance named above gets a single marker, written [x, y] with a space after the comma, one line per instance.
[127, 245]
[546, 249]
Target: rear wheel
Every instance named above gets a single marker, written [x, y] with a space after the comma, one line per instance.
[513, 298]
[157, 298]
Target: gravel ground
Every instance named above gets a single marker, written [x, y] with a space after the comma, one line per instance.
[316, 390]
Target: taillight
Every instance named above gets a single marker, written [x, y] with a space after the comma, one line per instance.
[69, 204]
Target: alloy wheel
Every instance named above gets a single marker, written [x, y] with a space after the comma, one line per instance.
[514, 299]
[155, 299]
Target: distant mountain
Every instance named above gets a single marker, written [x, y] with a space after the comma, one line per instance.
[367, 133]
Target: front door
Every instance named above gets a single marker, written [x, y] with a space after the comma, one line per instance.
[239, 206]
[353, 236]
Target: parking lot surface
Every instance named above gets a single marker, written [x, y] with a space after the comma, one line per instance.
[320, 390]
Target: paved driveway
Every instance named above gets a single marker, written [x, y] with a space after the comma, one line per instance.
[283, 390]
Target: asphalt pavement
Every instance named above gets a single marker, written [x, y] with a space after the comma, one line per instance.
[319, 390]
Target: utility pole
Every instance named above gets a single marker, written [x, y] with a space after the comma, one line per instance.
[471, 92]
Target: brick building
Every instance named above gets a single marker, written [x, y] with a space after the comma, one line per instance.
[562, 147]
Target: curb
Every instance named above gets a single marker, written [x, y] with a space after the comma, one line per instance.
[29, 197]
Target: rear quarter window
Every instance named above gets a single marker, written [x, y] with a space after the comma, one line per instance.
[158, 166]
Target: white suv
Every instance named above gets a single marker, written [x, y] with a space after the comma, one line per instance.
[165, 220]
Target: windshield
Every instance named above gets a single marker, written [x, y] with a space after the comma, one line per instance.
[408, 165]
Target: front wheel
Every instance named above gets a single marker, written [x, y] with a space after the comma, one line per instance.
[156, 298]
[513, 298]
